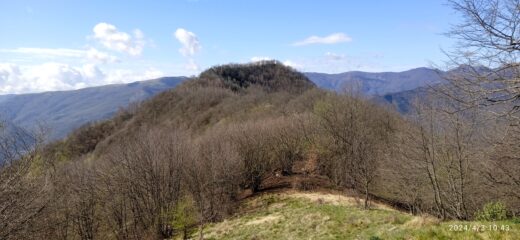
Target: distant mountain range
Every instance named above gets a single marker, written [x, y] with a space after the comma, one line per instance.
[402, 101]
[63, 111]
[378, 84]
[5, 97]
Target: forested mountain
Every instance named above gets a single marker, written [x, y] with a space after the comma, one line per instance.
[258, 149]
[64, 111]
[379, 84]
[403, 101]
[5, 97]
[188, 157]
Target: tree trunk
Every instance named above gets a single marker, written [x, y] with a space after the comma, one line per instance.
[201, 231]
[366, 196]
[185, 233]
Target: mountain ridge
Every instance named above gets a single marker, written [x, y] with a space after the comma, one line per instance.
[232, 135]
[64, 111]
[378, 83]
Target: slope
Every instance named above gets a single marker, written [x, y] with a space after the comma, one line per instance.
[188, 156]
[331, 215]
[64, 111]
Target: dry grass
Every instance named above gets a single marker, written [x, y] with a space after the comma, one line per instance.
[335, 199]
[264, 220]
[315, 215]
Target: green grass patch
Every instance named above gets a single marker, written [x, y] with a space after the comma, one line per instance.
[289, 216]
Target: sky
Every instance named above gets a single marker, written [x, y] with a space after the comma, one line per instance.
[62, 45]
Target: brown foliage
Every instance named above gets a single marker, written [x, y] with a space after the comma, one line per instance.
[211, 140]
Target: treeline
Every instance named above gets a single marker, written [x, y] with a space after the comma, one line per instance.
[185, 158]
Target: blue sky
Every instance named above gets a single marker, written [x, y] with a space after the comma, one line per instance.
[61, 45]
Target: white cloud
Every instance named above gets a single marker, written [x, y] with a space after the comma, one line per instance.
[334, 56]
[91, 54]
[151, 73]
[92, 73]
[111, 38]
[58, 76]
[44, 77]
[289, 63]
[190, 46]
[54, 52]
[94, 54]
[337, 63]
[127, 75]
[259, 59]
[293, 64]
[9, 75]
[330, 39]
[191, 66]
[190, 42]
[67, 69]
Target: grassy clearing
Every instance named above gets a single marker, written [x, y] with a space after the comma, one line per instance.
[299, 215]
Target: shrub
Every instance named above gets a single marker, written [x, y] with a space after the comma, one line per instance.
[493, 211]
[185, 216]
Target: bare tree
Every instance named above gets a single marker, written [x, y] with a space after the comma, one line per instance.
[488, 78]
[213, 176]
[145, 173]
[254, 149]
[487, 56]
[502, 167]
[23, 191]
[83, 198]
[358, 134]
[446, 144]
[427, 152]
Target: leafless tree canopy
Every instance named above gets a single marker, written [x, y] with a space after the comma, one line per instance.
[22, 195]
[186, 158]
[486, 55]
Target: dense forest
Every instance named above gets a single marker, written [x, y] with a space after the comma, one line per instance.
[171, 165]
[185, 158]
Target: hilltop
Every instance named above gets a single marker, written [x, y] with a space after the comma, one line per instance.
[191, 156]
[61, 112]
[272, 76]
